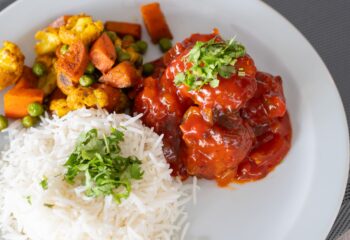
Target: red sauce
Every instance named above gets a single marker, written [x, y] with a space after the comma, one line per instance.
[236, 132]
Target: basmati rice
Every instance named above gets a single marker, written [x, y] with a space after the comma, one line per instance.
[154, 210]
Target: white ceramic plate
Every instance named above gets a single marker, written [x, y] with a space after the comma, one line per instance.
[301, 198]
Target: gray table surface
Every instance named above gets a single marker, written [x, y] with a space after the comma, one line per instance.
[326, 24]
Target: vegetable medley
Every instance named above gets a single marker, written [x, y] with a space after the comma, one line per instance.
[80, 62]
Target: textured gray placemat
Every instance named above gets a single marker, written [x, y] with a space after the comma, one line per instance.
[326, 24]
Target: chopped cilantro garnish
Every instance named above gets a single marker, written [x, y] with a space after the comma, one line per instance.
[98, 162]
[43, 183]
[49, 205]
[29, 199]
[208, 60]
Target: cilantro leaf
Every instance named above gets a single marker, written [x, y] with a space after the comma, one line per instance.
[49, 205]
[208, 61]
[135, 171]
[97, 161]
[43, 183]
[29, 199]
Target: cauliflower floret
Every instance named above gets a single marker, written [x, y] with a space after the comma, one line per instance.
[11, 64]
[47, 60]
[59, 107]
[48, 41]
[86, 97]
[101, 97]
[80, 27]
[78, 98]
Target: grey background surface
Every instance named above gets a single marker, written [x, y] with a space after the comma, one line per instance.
[326, 24]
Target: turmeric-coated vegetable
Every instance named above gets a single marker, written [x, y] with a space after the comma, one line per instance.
[48, 60]
[103, 54]
[58, 103]
[17, 100]
[80, 97]
[11, 64]
[155, 22]
[73, 63]
[59, 107]
[80, 28]
[121, 76]
[48, 41]
[124, 28]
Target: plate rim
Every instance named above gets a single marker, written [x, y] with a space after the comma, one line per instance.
[342, 114]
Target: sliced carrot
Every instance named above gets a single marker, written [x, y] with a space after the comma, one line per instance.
[60, 21]
[27, 80]
[74, 62]
[16, 101]
[103, 54]
[155, 22]
[124, 28]
[121, 76]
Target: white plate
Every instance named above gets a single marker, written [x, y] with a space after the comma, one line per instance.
[300, 199]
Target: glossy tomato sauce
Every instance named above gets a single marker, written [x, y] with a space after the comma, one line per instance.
[236, 132]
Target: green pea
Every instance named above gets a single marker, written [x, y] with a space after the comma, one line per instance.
[128, 38]
[90, 69]
[29, 121]
[64, 49]
[35, 109]
[86, 80]
[140, 46]
[39, 69]
[112, 35]
[165, 44]
[3, 122]
[147, 69]
[123, 56]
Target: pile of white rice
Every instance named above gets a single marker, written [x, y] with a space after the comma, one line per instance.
[154, 210]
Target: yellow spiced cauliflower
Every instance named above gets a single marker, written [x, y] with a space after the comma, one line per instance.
[78, 98]
[86, 97]
[59, 107]
[80, 27]
[11, 64]
[48, 41]
[47, 60]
